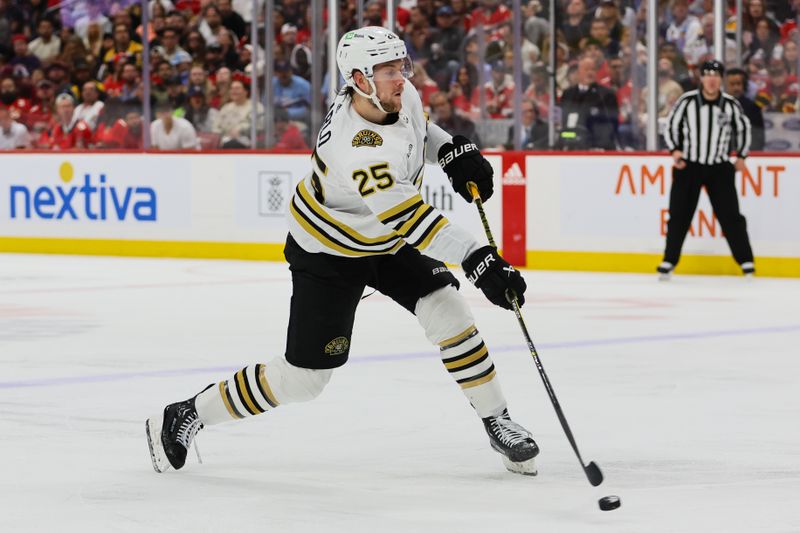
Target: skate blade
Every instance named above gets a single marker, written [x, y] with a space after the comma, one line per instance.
[665, 277]
[526, 468]
[153, 430]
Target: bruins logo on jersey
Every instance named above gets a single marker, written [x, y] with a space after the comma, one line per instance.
[367, 138]
[337, 346]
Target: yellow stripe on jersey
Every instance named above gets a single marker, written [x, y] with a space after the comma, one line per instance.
[350, 232]
[431, 233]
[329, 242]
[407, 226]
[399, 208]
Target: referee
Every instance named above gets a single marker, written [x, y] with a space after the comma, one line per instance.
[698, 134]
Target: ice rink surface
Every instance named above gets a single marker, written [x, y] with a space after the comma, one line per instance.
[686, 394]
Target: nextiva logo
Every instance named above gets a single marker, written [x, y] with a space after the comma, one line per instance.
[93, 199]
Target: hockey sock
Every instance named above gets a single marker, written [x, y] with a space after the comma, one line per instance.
[467, 359]
[448, 323]
[257, 389]
[247, 393]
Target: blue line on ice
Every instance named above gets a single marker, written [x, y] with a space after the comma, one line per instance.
[124, 376]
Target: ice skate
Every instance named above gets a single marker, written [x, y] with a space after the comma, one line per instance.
[665, 271]
[170, 435]
[513, 442]
[748, 269]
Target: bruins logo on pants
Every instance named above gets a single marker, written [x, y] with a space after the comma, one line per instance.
[337, 346]
[367, 138]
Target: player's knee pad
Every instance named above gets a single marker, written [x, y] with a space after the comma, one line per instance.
[444, 314]
[295, 384]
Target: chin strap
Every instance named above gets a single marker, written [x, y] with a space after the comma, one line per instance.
[371, 97]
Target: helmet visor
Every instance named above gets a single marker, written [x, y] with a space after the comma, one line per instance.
[393, 70]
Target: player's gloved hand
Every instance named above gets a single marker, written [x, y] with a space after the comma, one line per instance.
[463, 162]
[494, 276]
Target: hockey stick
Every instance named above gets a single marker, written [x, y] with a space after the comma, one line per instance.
[591, 470]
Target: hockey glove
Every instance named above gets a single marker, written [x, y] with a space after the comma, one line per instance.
[494, 276]
[463, 162]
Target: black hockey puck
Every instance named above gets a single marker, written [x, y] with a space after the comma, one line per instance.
[609, 503]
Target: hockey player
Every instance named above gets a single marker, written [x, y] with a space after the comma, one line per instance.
[358, 219]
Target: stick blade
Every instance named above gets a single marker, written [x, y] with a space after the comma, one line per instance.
[593, 473]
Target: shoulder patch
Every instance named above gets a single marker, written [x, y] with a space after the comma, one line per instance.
[367, 138]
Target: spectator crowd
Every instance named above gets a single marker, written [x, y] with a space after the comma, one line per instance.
[71, 73]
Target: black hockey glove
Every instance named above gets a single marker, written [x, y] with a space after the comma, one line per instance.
[494, 276]
[463, 162]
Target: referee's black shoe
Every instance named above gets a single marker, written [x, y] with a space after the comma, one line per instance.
[665, 271]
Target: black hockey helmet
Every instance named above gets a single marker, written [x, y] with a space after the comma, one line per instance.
[712, 66]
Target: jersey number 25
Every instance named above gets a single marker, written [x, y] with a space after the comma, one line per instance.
[378, 175]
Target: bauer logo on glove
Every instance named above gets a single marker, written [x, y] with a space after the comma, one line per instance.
[462, 162]
[457, 151]
[493, 275]
[480, 268]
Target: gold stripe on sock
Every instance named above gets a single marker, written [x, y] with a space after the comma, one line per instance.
[470, 384]
[464, 362]
[262, 379]
[251, 405]
[461, 336]
[223, 392]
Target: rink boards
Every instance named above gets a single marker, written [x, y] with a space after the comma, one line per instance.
[552, 211]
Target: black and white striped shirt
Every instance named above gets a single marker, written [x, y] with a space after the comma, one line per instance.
[702, 129]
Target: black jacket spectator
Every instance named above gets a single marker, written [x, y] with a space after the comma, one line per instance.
[737, 80]
[439, 68]
[11, 23]
[535, 131]
[449, 33]
[451, 122]
[753, 112]
[782, 10]
[589, 112]
[458, 125]
[231, 19]
[576, 23]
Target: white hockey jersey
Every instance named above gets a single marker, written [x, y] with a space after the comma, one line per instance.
[362, 196]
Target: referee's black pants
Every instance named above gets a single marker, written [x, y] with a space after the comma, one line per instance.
[683, 197]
